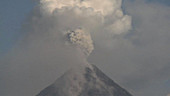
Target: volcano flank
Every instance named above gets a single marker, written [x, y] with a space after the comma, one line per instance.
[89, 81]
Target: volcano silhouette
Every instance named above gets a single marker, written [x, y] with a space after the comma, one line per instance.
[86, 81]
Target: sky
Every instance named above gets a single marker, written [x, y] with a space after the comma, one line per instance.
[138, 60]
[13, 13]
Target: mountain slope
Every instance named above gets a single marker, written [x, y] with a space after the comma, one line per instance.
[85, 81]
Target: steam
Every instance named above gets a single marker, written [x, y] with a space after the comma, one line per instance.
[106, 18]
[57, 35]
[105, 8]
[60, 34]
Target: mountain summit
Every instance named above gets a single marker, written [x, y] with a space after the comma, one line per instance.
[85, 81]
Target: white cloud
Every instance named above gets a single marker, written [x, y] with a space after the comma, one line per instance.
[105, 8]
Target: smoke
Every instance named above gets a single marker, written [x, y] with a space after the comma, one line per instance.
[57, 35]
[82, 39]
[102, 19]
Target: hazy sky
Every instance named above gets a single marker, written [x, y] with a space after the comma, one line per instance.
[138, 60]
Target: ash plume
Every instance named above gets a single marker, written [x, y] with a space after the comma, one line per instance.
[84, 13]
[42, 53]
[82, 39]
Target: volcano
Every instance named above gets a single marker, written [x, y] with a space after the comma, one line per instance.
[85, 81]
